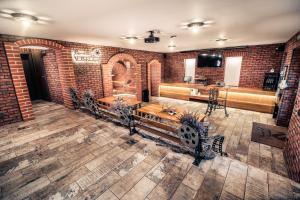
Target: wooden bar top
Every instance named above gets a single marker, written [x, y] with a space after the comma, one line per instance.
[230, 89]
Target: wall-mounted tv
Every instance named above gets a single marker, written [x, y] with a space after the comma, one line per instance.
[209, 60]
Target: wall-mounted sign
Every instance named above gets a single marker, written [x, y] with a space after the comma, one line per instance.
[88, 57]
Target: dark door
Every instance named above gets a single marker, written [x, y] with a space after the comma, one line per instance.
[35, 75]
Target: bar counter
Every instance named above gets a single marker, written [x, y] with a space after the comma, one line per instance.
[254, 99]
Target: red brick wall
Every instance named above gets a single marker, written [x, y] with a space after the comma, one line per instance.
[51, 69]
[19, 81]
[9, 106]
[94, 77]
[292, 148]
[155, 77]
[289, 94]
[84, 76]
[289, 106]
[256, 61]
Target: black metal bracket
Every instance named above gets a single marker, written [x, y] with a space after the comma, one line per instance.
[2, 115]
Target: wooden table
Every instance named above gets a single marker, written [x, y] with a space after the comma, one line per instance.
[154, 111]
[130, 101]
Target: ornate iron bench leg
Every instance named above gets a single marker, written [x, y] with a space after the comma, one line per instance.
[198, 156]
[209, 108]
[132, 128]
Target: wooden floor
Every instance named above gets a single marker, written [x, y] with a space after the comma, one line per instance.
[65, 154]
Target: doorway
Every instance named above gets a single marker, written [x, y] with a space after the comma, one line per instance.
[232, 71]
[35, 75]
[189, 66]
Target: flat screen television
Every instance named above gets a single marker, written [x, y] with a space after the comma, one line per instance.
[209, 60]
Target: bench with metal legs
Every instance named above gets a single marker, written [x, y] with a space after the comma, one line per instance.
[191, 135]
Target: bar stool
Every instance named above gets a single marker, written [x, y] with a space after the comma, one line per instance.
[216, 102]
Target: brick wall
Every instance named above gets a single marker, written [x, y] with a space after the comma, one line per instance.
[292, 148]
[9, 108]
[59, 73]
[155, 77]
[289, 106]
[256, 61]
[18, 77]
[289, 94]
[52, 74]
[94, 80]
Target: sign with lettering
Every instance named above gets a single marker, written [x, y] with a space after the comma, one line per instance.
[88, 57]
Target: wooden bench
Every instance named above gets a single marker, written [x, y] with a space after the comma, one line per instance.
[186, 137]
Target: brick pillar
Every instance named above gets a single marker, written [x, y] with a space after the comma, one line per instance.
[292, 103]
[19, 80]
[138, 82]
[66, 74]
[107, 80]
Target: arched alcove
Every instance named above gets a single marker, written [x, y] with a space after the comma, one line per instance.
[66, 73]
[154, 77]
[122, 75]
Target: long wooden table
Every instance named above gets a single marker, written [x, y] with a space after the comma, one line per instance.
[155, 112]
[130, 101]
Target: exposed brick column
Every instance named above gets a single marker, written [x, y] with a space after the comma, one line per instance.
[292, 105]
[107, 80]
[66, 74]
[292, 147]
[138, 72]
[19, 80]
[154, 77]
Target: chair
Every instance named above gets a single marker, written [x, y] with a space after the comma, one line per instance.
[216, 102]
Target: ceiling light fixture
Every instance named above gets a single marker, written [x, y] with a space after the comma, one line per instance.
[172, 47]
[130, 39]
[196, 25]
[221, 41]
[24, 17]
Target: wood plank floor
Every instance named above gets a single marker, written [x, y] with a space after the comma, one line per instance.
[66, 154]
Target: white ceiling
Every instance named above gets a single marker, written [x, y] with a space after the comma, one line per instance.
[244, 22]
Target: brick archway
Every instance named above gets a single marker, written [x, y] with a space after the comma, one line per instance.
[65, 68]
[107, 74]
[154, 77]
